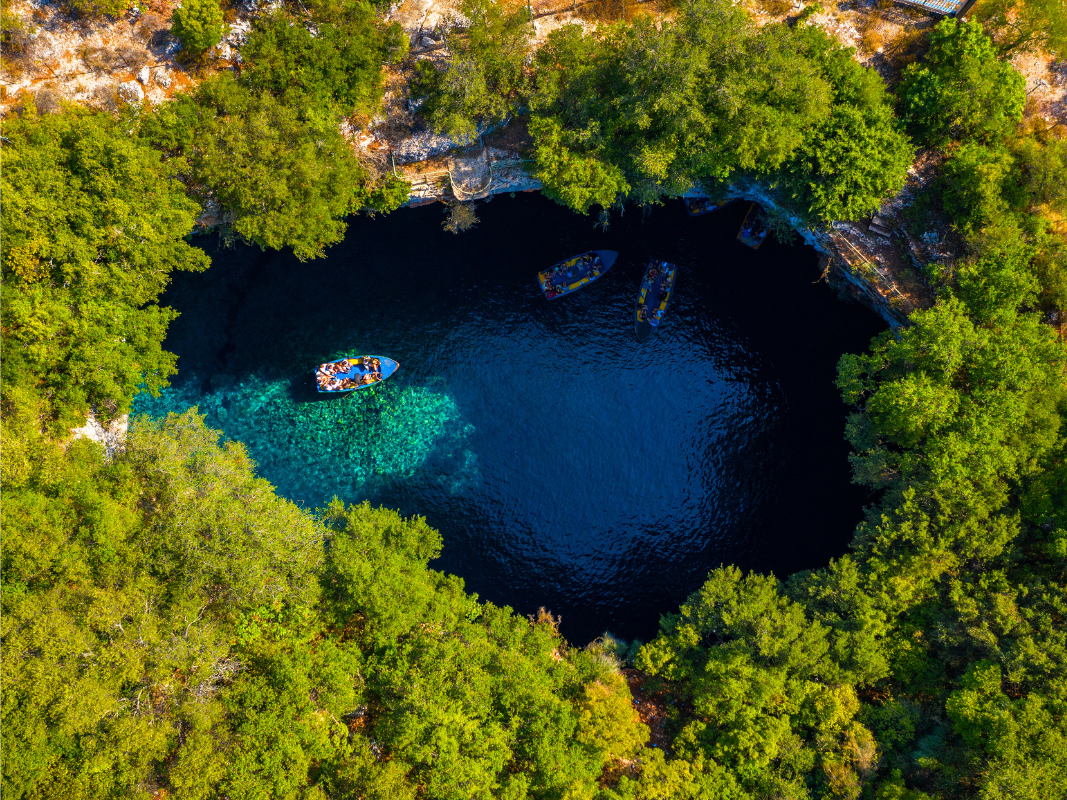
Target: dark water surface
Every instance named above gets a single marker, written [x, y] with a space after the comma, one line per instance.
[565, 465]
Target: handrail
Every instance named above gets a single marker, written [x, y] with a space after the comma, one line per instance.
[867, 261]
[485, 188]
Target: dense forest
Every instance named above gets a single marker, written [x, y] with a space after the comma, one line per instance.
[173, 627]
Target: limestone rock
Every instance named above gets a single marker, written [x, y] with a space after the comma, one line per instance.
[143, 76]
[131, 92]
[111, 435]
[163, 78]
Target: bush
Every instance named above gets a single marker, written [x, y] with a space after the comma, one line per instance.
[334, 73]
[962, 90]
[484, 79]
[199, 24]
[97, 8]
[93, 223]
[280, 181]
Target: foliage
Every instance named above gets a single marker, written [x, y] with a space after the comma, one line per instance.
[334, 73]
[644, 110]
[574, 179]
[461, 217]
[171, 622]
[199, 24]
[1029, 25]
[93, 224]
[769, 702]
[279, 181]
[961, 90]
[93, 9]
[172, 626]
[483, 79]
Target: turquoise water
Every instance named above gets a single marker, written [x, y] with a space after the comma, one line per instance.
[346, 448]
[565, 465]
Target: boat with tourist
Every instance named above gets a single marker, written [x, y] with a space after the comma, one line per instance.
[653, 297]
[354, 372]
[698, 206]
[574, 273]
[754, 229]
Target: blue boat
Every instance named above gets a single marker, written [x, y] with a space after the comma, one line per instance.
[697, 206]
[352, 373]
[754, 229]
[653, 297]
[574, 273]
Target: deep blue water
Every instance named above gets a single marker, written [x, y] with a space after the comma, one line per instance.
[565, 465]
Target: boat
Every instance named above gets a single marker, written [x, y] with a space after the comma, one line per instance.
[354, 372]
[754, 228]
[574, 273]
[653, 297]
[697, 206]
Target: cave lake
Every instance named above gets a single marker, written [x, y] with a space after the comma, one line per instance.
[565, 465]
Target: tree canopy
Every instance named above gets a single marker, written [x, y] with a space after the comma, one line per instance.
[94, 222]
[641, 110]
[173, 627]
[962, 89]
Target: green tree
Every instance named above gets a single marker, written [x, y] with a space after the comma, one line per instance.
[483, 80]
[1030, 25]
[199, 24]
[607, 721]
[575, 179]
[279, 182]
[643, 110]
[961, 90]
[768, 700]
[94, 223]
[978, 181]
[846, 170]
[335, 73]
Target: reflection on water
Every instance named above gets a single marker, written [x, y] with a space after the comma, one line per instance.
[564, 464]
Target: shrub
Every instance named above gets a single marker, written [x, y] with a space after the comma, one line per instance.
[199, 24]
[962, 90]
[96, 8]
[336, 72]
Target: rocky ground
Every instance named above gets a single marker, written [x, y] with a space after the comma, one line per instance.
[134, 59]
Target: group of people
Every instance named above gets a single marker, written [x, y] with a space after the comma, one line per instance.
[559, 279]
[653, 317]
[329, 376]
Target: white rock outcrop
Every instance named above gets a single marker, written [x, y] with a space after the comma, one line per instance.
[131, 92]
[112, 436]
